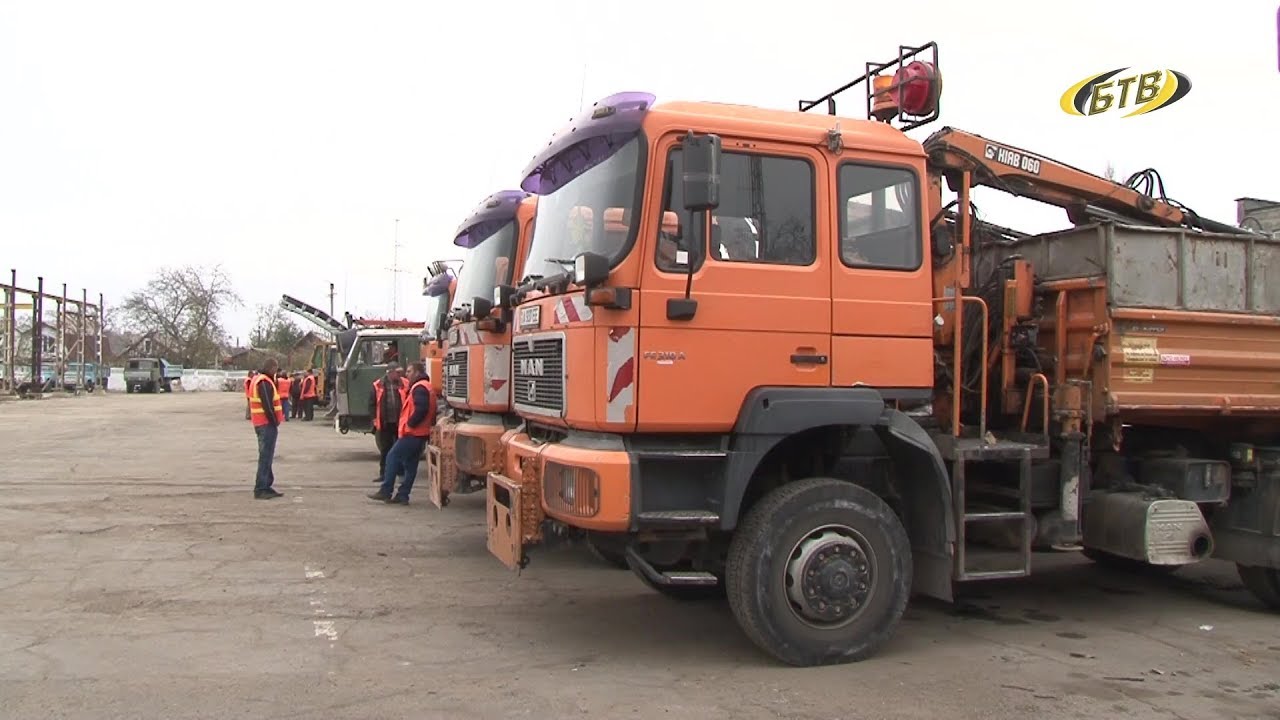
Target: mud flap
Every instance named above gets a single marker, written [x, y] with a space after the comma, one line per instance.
[514, 516]
[441, 478]
[502, 507]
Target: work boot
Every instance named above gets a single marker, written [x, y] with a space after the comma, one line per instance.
[398, 500]
[267, 494]
[380, 496]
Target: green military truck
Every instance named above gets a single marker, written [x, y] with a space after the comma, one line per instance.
[150, 375]
[371, 350]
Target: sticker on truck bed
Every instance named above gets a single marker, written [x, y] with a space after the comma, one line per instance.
[1013, 158]
[1139, 351]
[1144, 351]
[1139, 375]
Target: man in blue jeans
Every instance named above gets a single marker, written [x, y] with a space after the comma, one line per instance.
[417, 417]
[266, 414]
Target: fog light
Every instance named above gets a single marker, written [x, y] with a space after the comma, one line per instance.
[571, 490]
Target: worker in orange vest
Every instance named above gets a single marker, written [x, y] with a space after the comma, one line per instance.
[308, 395]
[248, 391]
[266, 414]
[416, 420]
[282, 385]
[386, 403]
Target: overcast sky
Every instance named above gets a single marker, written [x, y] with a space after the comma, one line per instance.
[283, 139]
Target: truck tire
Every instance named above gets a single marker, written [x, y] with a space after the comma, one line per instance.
[128, 389]
[852, 550]
[1263, 582]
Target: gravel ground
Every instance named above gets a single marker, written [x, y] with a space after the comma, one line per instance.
[139, 579]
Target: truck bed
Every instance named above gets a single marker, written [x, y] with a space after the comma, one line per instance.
[1166, 323]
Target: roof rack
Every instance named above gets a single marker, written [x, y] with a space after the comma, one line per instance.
[882, 97]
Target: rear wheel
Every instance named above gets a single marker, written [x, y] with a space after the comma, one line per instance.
[819, 572]
[1263, 582]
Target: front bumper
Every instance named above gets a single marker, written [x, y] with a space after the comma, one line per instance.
[442, 475]
[519, 499]
[478, 448]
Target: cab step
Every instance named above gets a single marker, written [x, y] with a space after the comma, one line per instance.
[678, 518]
[684, 578]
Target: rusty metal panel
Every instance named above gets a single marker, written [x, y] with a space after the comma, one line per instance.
[1159, 268]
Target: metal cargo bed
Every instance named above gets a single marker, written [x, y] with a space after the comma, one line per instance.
[1167, 324]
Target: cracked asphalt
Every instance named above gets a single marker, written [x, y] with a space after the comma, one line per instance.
[139, 579]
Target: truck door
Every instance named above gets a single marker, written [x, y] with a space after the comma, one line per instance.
[881, 289]
[761, 281]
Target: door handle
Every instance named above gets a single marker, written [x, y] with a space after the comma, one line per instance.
[803, 359]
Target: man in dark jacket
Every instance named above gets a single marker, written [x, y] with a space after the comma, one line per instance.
[416, 420]
[295, 396]
[385, 403]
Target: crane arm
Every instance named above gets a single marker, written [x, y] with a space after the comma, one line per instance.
[312, 313]
[1026, 174]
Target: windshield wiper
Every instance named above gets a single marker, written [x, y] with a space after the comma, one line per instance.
[561, 262]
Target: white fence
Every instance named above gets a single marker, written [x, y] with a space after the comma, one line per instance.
[193, 380]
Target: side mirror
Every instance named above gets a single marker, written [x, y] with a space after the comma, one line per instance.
[502, 295]
[701, 175]
[480, 308]
[590, 269]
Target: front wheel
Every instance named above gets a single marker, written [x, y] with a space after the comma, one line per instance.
[819, 572]
[1263, 582]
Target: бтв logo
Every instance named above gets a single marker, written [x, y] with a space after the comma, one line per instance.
[1143, 91]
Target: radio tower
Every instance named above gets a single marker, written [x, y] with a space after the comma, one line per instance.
[395, 271]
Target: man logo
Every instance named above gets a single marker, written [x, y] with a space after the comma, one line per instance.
[1144, 92]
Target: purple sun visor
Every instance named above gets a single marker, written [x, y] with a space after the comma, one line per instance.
[497, 210]
[587, 141]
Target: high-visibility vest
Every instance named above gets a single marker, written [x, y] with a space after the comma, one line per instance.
[410, 406]
[283, 385]
[248, 384]
[379, 390]
[256, 414]
[308, 386]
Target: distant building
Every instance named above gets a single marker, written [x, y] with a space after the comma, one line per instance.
[1255, 214]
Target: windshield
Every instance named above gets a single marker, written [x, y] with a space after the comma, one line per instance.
[486, 266]
[592, 212]
[436, 306]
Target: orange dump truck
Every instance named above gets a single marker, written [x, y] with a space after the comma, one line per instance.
[465, 444]
[776, 399]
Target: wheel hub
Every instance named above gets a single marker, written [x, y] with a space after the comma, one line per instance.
[829, 576]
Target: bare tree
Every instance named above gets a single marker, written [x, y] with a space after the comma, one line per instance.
[183, 309]
[1110, 172]
[275, 330]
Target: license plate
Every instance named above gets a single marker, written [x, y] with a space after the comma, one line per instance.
[530, 317]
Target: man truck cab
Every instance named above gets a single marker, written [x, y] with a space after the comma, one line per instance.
[827, 387]
[466, 444]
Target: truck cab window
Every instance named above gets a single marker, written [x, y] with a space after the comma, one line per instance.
[880, 222]
[766, 213]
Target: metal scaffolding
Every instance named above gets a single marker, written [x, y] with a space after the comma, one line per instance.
[77, 329]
